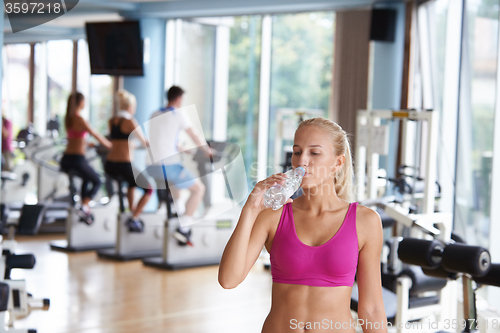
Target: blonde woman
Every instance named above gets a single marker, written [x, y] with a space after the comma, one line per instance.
[119, 162]
[318, 242]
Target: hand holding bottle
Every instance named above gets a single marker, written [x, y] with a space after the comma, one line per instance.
[276, 196]
[255, 200]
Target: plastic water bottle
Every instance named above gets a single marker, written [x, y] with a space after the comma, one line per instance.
[276, 196]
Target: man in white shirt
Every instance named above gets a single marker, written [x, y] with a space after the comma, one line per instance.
[163, 138]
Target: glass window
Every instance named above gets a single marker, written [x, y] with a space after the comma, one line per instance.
[476, 119]
[196, 65]
[244, 85]
[301, 74]
[40, 90]
[97, 89]
[59, 71]
[15, 85]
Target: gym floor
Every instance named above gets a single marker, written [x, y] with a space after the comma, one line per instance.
[91, 295]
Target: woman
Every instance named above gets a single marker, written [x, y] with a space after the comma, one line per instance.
[73, 159]
[317, 242]
[119, 161]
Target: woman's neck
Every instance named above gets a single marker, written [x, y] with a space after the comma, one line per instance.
[319, 199]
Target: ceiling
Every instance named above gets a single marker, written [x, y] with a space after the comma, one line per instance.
[71, 25]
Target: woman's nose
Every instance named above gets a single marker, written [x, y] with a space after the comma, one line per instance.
[303, 160]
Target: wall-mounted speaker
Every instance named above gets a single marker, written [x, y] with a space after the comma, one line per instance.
[383, 26]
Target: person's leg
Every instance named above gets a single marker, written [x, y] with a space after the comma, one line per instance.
[142, 203]
[130, 197]
[134, 177]
[197, 191]
[89, 176]
[176, 193]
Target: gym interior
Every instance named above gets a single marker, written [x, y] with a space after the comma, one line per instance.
[414, 84]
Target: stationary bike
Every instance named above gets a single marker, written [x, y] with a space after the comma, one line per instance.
[81, 236]
[132, 245]
[210, 235]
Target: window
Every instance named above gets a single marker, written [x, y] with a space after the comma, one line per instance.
[59, 71]
[243, 93]
[15, 87]
[476, 119]
[196, 70]
[97, 89]
[301, 74]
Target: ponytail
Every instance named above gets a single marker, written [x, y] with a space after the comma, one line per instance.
[74, 101]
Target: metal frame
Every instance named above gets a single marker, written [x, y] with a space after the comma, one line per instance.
[365, 155]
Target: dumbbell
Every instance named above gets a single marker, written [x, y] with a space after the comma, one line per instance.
[438, 259]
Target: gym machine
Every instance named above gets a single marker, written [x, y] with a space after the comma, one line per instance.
[80, 236]
[406, 212]
[210, 235]
[131, 245]
[18, 303]
[452, 261]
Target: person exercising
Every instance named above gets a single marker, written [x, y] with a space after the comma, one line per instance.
[165, 142]
[318, 242]
[73, 160]
[7, 148]
[119, 160]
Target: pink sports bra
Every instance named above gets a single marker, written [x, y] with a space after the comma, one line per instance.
[331, 264]
[72, 134]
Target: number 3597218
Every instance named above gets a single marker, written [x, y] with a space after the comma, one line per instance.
[32, 8]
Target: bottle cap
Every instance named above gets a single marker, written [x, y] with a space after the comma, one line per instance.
[300, 171]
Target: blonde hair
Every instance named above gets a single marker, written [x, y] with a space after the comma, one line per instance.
[124, 99]
[341, 146]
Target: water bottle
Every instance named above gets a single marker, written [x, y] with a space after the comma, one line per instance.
[276, 196]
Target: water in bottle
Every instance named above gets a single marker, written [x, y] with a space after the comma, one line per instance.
[276, 196]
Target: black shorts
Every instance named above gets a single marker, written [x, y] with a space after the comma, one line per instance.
[125, 171]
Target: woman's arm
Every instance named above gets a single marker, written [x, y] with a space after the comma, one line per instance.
[102, 140]
[248, 238]
[134, 128]
[371, 303]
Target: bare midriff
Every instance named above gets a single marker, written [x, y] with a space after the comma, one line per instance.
[76, 146]
[119, 152]
[299, 308]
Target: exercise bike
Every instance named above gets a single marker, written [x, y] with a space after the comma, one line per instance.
[132, 245]
[209, 235]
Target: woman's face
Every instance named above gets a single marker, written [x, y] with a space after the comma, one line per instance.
[313, 150]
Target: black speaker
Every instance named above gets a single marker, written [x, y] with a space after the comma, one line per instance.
[383, 25]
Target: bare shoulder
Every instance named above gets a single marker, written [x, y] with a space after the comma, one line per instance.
[79, 123]
[368, 223]
[269, 217]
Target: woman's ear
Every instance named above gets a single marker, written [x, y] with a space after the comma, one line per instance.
[339, 162]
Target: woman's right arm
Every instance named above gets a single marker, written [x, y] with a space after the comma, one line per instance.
[249, 236]
[136, 129]
[102, 140]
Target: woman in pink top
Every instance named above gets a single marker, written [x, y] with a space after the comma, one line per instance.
[317, 243]
[73, 159]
